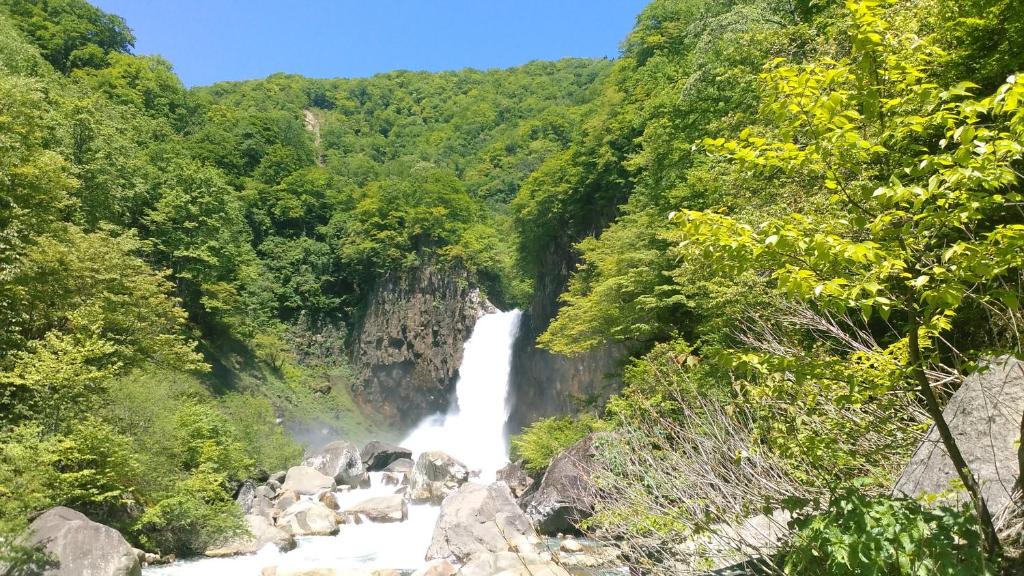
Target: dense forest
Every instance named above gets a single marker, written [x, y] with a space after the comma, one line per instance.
[803, 220]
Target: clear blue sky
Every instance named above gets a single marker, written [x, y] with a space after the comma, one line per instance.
[213, 40]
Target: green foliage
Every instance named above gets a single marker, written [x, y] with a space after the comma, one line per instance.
[541, 441]
[881, 536]
[194, 516]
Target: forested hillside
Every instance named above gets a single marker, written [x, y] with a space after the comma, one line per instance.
[180, 269]
[801, 220]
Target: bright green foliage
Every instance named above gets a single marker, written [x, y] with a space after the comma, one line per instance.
[860, 536]
[541, 441]
[195, 516]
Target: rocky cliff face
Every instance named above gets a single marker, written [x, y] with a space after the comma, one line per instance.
[408, 347]
[545, 384]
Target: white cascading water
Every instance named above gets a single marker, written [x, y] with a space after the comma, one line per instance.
[473, 431]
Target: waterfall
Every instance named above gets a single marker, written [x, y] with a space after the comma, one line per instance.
[473, 430]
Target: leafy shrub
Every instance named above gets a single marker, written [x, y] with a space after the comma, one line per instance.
[859, 535]
[195, 516]
[539, 443]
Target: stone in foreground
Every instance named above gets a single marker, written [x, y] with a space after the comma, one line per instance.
[382, 509]
[480, 519]
[984, 416]
[81, 546]
[261, 533]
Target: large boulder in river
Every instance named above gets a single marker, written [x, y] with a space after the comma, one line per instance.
[984, 416]
[307, 480]
[81, 546]
[565, 495]
[342, 461]
[308, 518]
[435, 476]
[480, 519]
[379, 455]
[382, 509]
[261, 533]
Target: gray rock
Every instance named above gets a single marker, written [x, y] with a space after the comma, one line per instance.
[379, 455]
[261, 533]
[307, 480]
[246, 496]
[514, 474]
[402, 465]
[565, 495]
[435, 476]
[382, 509]
[437, 568]
[480, 519]
[266, 491]
[984, 416]
[82, 547]
[308, 518]
[277, 477]
[511, 564]
[342, 461]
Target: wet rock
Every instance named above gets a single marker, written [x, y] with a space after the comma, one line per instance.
[435, 476]
[81, 546]
[565, 495]
[402, 466]
[342, 461]
[984, 416]
[479, 519]
[514, 474]
[382, 509]
[571, 545]
[308, 518]
[511, 564]
[379, 455]
[307, 480]
[261, 533]
[328, 499]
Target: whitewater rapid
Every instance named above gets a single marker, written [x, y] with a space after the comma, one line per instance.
[472, 431]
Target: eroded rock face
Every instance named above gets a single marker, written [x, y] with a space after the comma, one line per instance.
[477, 520]
[565, 495]
[342, 461]
[261, 533]
[435, 476]
[408, 347]
[984, 416]
[82, 547]
[382, 509]
[307, 480]
[379, 455]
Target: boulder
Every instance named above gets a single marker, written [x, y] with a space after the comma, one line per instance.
[401, 466]
[284, 501]
[437, 568]
[378, 455]
[342, 461]
[246, 496]
[394, 479]
[514, 474]
[266, 491]
[382, 509]
[278, 477]
[511, 564]
[307, 480]
[480, 519]
[81, 546]
[308, 518]
[984, 416]
[261, 533]
[328, 499]
[565, 495]
[435, 476]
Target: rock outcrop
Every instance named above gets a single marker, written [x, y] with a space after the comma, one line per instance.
[984, 416]
[307, 480]
[565, 495]
[379, 455]
[261, 533]
[408, 346]
[435, 476]
[478, 520]
[342, 461]
[81, 546]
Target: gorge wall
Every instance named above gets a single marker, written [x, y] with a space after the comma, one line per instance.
[408, 347]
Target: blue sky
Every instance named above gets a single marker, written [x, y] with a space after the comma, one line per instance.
[213, 40]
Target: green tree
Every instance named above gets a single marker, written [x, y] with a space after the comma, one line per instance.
[71, 33]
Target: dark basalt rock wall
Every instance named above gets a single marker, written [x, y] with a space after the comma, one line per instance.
[408, 347]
